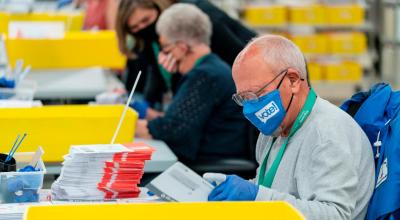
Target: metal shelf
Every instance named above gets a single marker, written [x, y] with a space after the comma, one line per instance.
[391, 3]
[366, 27]
[395, 42]
[366, 60]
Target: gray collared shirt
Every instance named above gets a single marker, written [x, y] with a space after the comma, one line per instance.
[327, 171]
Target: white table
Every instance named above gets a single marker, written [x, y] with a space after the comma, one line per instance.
[73, 83]
[162, 158]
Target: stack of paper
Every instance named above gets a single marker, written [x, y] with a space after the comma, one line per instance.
[15, 211]
[101, 172]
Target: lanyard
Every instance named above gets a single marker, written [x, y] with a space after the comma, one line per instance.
[266, 178]
[167, 76]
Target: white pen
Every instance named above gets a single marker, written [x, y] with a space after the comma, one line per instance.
[23, 74]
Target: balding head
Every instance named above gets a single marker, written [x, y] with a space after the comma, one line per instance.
[277, 52]
[265, 57]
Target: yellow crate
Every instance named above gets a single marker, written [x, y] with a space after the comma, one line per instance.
[315, 71]
[73, 21]
[311, 44]
[343, 71]
[3, 23]
[346, 14]
[56, 128]
[274, 15]
[172, 210]
[307, 15]
[348, 43]
[76, 50]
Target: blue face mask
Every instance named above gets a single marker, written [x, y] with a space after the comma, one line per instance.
[267, 113]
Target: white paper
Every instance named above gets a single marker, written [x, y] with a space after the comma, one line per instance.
[83, 170]
[179, 183]
[107, 149]
[36, 30]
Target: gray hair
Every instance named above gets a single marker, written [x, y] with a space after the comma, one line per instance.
[185, 22]
[280, 53]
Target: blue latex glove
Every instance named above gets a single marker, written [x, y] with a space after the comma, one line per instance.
[7, 83]
[33, 181]
[62, 3]
[15, 184]
[23, 188]
[141, 107]
[28, 168]
[234, 188]
[27, 196]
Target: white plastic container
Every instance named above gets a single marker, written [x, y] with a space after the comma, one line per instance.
[25, 91]
[17, 187]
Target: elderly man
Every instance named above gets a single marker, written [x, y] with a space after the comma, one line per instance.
[202, 121]
[311, 154]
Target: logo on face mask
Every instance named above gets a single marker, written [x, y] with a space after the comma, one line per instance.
[269, 111]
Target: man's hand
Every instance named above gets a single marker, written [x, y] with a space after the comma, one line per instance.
[142, 131]
[233, 188]
[153, 114]
[168, 62]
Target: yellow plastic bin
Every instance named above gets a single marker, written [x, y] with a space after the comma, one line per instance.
[176, 211]
[315, 44]
[307, 15]
[353, 14]
[268, 15]
[347, 43]
[349, 71]
[73, 20]
[315, 71]
[56, 128]
[76, 50]
[4, 23]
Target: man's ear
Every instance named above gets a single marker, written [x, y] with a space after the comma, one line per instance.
[183, 47]
[295, 80]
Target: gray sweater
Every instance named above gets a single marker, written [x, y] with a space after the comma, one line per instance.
[327, 171]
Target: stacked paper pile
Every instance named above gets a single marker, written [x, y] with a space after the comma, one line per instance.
[101, 172]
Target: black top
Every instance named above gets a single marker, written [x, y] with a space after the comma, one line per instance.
[229, 37]
[203, 121]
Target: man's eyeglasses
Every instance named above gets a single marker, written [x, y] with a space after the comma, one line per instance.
[167, 48]
[246, 96]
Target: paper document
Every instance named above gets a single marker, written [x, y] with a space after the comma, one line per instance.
[102, 172]
[181, 184]
[36, 30]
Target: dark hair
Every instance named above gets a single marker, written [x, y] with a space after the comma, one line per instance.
[125, 10]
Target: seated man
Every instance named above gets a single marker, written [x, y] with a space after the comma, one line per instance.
[310, 153]
[202, 120]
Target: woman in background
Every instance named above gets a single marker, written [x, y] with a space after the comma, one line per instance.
[136, 20]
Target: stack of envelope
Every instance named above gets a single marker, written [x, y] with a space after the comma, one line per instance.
[102, 172]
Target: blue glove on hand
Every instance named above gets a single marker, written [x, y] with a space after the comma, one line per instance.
[234, 188]
[62, 3]
[141, 107]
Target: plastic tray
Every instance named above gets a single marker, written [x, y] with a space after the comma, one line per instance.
[17, 187]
